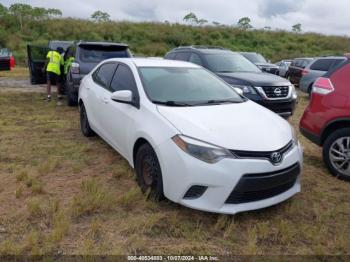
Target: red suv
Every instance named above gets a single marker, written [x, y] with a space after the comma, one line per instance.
[326, 120]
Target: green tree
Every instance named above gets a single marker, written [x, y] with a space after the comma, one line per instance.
[3, 10]
[100, 16]
[296, 28]
[21, 11]
[202, 21]
[54, 13]
[191, 18]
[244, 23]
[216, 23]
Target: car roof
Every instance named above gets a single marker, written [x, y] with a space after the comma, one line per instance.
[202, 49]
[330, 57]
[154, 62]
[101, 43]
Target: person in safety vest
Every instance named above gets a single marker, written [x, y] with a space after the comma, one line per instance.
[53, 66]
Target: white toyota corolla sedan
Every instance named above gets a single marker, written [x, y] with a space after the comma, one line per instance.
[190, 136]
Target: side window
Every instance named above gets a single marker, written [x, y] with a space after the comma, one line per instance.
[194, 58]
[103, 75]
[182, 56]
[123, 79]
[170, 56]
[322, 64]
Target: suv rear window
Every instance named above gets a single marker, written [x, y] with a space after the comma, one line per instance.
[98, 53]
[322, 64]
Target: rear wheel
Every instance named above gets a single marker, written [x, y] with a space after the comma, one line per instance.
[148, 172]
[84, 122]
[72, 99]
[336, 153]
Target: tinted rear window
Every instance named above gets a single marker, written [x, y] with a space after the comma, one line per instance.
[98, 53]
[322, 64]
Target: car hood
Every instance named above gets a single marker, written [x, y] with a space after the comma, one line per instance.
[242, 126]
[254, 79]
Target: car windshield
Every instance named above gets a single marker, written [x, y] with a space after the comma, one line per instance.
[4, 52]
[96, 53]
[230, 62]
[255, 58]
[176, 86]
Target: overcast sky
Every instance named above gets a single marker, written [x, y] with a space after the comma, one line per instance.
[322, 16]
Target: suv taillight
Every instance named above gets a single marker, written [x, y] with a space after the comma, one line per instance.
[304, 72]
[75, 68]
[323, 86]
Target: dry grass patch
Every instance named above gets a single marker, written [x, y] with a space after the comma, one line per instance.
[82, 198]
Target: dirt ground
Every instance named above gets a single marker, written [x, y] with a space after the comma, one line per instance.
[62, 193]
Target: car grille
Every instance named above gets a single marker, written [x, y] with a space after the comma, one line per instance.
[262, 154]
[255, 187]
[276, 91]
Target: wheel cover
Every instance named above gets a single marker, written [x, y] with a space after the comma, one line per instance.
[147, 171]
[339, 155]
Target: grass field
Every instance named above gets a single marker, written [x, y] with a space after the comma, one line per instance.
[16, 72]
[63, 193]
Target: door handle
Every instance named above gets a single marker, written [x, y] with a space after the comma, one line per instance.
[105, 100]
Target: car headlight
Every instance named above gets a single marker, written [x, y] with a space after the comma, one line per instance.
[294, 92]
[246, 89]
[204, 151]
[295, 136]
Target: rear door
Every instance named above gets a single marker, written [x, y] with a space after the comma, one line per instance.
[36, 62]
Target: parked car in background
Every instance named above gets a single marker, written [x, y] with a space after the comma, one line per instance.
[7, 60]
[83, 57]
[189, 136]
[271, 91]
[261, 62]
[296, 69]
[80, 58]
[283, 67]
[326, 120]
[317, 68]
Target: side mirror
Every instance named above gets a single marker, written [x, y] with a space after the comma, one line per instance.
[239, 91]
[123, 96]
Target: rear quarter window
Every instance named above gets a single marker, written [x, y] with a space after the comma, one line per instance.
[182, 56]
[103, 75]
[170, 56]
[322, 64]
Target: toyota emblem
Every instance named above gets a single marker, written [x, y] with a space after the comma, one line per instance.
[276, 157]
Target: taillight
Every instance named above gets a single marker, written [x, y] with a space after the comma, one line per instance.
[304, 72]
[323, 86]
[75, 68]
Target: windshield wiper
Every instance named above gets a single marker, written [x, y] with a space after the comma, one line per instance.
[219, 101]
[171, 103]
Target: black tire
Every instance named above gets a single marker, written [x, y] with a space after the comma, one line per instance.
[309, 90]
[328, 145]
[72, 98]
[84, 123]
[148, 172]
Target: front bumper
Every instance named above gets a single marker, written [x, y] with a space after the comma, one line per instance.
[283, 107]
[181, 172]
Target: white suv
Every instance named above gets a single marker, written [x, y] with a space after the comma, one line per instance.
[190, 136]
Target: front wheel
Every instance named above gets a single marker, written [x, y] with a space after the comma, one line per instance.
[336, 153]
[148, 172]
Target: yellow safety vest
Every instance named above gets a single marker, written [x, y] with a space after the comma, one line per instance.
[55, 62]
